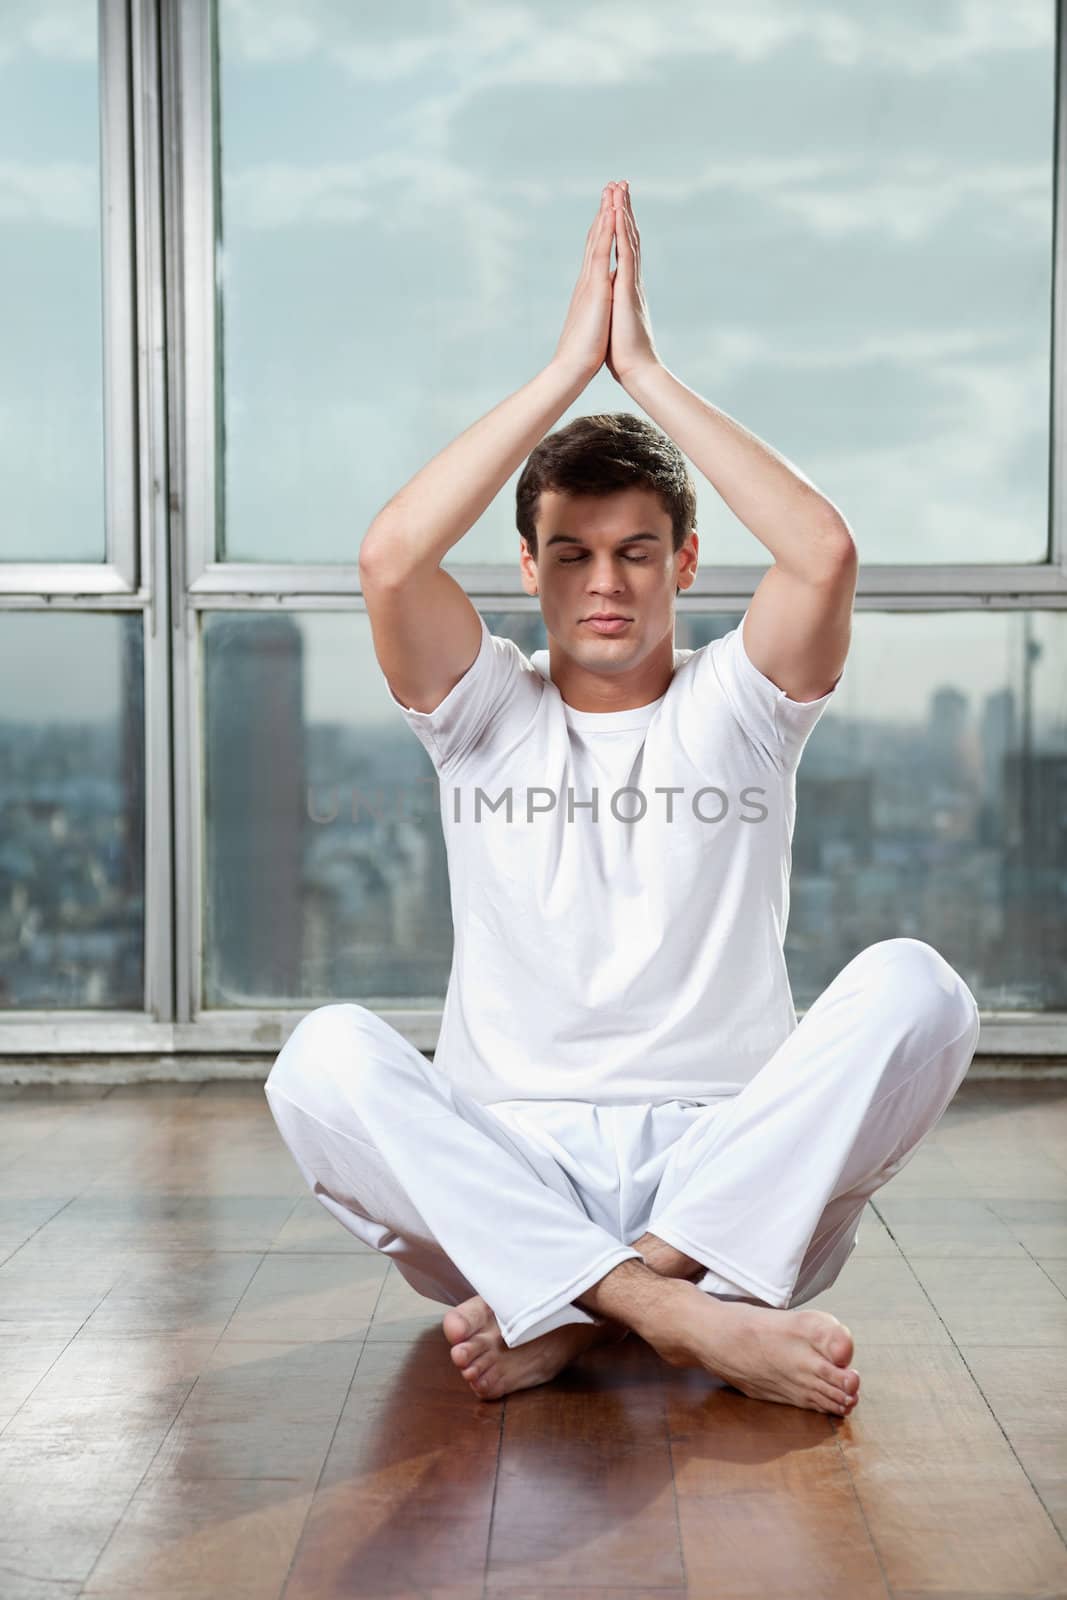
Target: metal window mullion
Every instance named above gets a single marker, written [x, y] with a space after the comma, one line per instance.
[722, 601]
[119, 355]
[148, 241]
[1058, 342]
[1042, 583]
[81, 1034]
[190, 37]
[189, 266]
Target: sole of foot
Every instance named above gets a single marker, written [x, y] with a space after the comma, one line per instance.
[797, 1358]
[493, 1369]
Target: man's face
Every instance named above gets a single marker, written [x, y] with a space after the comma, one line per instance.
[601, 554]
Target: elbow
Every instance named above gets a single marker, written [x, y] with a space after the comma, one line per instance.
[838, 547]
[838, 529]
[378, 554]
[827, 555]
[365, 559]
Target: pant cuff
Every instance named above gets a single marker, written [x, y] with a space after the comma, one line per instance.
[528, 1324]
[779, 1298]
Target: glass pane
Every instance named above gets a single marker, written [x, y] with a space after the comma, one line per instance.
[325, 869]
[51, 314]
[934, 804]
[72, 810]
[843, 248]
[931, 802]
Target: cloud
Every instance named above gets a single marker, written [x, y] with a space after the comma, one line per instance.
[913, 200]
[555, 41]
[61, 30]
[279, 194]
[63, 192]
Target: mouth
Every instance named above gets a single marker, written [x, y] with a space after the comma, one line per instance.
[605, 622]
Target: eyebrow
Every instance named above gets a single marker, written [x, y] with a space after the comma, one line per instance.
[571, 538]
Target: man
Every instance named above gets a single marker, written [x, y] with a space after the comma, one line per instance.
[623, 1126]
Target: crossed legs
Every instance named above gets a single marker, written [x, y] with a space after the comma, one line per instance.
[758, 1199]
[868, 1072]
[492, 1369]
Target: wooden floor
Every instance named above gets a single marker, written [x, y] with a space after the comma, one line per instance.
[208, 1389]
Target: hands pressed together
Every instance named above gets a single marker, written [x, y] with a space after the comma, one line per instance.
[608, 319]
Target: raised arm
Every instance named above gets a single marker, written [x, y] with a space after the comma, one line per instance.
[426, 631]
[799, 618]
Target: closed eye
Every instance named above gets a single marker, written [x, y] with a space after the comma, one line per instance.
[567, 561]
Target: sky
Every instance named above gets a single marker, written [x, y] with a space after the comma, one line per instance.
[845, 215]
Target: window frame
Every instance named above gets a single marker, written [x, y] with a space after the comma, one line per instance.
[160, 192]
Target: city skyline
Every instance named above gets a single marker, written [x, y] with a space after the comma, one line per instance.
[896, 663]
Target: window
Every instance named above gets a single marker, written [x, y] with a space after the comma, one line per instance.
[931, 802]
[257, 270]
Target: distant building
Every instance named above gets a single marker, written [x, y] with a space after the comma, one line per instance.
[254, 809]
[835, 822]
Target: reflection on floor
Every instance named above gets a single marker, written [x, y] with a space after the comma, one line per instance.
[208, 1388]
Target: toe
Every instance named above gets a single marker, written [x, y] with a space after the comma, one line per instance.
[455, 1325]
[830, 1399]
[837, 1377]
[839, 1346]
[832, 1381]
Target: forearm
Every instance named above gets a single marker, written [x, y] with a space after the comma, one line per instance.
[433, 511]
[803, 530]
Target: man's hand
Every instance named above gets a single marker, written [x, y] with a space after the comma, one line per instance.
[630, 345]
[583, 343]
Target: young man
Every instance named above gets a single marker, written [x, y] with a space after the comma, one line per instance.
[623, 1126]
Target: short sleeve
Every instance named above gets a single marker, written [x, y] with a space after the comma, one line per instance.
[764, 711]
[454, 726]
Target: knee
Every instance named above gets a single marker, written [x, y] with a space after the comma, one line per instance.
[921, 980]
[328, 1039]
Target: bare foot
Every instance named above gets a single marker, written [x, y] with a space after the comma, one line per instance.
[798, 1358]
[494, 1370]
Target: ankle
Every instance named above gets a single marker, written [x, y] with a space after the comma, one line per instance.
[636, 1296]
[665, 1259]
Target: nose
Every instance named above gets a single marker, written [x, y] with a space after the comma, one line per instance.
[605, 579]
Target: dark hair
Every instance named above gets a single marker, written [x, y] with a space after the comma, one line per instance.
[601, 454]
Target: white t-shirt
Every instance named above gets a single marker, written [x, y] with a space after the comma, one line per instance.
[634, 955]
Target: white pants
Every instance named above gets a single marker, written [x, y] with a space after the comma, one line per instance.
[528, 1203]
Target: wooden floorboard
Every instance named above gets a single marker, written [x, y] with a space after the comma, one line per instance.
[208, 1388]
